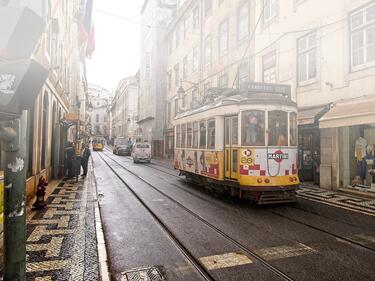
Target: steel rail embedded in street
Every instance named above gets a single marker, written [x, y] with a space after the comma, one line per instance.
[246, 250]
[194, 262]
[348, 240]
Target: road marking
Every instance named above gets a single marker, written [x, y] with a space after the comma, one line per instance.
[46, 278]
[282, 252]
[225, 261]
[53, 248]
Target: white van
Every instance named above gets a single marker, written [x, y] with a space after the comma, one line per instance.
[141, 152]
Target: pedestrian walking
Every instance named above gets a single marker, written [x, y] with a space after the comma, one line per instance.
[86, 153]
[70, 152]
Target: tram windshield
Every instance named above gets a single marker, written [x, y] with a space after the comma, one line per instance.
[277, 128]
[253, 128]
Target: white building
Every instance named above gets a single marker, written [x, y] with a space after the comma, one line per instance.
[155, 15]
[125, 109]
[326, 51]
[100, 101]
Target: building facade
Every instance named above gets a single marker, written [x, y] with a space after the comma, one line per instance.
[209, 47]
[125, 110]
[58, 50]
[151, 120]
[326, 55]
[99, 109]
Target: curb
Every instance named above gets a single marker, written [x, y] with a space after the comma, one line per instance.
[365, 194]
[101, 245]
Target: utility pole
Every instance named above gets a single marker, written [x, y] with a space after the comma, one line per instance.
[13, 135]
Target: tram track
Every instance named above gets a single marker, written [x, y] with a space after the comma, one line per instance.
[245, 249]
[337, 236]
[188, 255]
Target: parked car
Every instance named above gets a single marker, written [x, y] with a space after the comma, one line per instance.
[118, 142]
[141, 152]
[123, 150]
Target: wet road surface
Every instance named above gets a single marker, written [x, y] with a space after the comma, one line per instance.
[152, 217]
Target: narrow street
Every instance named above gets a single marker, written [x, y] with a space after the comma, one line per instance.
[154, 218]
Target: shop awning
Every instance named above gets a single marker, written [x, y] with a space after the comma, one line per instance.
[351, 112]
[307, 116]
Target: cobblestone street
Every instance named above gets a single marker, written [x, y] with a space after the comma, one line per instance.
[61, 240]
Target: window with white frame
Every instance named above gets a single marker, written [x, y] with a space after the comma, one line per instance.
[243, 74]
[222, 81]
[223, 37]
[206, 86]
[362, 33]
[207, 49]
[186, 27]
[243, 23]
[196, 17]
[176, 75]
[185, 67]
[169, 80]
[170, 44]
[269, 67]
[194, 95]
[307, 58]
[207, 8]
[195, 59]
[271, 9]
[177, 36]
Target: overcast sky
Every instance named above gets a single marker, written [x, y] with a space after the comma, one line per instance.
[116, 53]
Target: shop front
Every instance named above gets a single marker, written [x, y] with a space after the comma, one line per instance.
[309, 143]
[349, 145]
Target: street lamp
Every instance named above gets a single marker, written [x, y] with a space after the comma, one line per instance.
[181, 93]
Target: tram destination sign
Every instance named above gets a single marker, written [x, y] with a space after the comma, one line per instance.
[256, 87]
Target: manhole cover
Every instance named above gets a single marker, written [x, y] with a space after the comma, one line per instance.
[143, 274]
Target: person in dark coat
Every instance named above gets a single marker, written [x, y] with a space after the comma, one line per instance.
[69, 158]
[86, 153]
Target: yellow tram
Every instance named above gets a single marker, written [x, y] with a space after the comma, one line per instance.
[98, 143]
[242, 142]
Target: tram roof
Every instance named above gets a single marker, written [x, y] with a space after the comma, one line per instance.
[218, 97]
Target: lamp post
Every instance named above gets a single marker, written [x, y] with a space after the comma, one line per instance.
[181, 93]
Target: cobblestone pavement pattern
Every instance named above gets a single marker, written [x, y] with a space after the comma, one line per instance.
[61, 240]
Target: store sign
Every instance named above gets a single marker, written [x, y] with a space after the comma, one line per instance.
[255, 87]
[278, 156]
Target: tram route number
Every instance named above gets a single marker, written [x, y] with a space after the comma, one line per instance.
[248, 161]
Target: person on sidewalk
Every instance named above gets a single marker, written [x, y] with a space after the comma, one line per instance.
[86, 153]
[69, 159]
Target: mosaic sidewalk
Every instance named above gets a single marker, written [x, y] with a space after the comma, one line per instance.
[61, 240]
[361, 205]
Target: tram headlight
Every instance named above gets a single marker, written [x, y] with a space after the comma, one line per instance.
[260, 180]
[267, 181]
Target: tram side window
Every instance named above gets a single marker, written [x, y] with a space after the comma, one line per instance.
[183, 135]
[195, 134]
[189, 135]
[253, 128]
[178, 136]
[277, 128]
[202, 134]
[211, 134]
[235, 131]
[293, 128]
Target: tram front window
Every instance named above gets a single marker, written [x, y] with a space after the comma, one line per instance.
[277, 128]
[253, 128]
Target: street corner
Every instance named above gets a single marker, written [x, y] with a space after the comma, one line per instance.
[61, 238]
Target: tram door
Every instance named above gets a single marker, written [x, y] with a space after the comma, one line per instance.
[231, 147]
